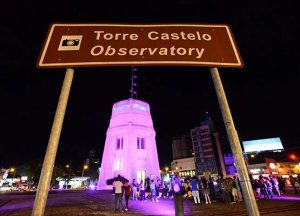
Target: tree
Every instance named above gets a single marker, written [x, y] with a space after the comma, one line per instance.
[31, 169]
[58, 171]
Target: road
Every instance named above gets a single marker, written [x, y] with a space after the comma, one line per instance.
[71, 202]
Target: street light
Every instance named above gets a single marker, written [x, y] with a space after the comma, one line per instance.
[68, 166]
[85, 167]
[13, 170]
[292, 156]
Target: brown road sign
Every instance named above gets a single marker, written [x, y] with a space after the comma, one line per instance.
[81, 45]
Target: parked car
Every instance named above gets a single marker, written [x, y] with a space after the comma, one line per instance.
[5, 188]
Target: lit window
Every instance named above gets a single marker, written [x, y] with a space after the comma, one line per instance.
[118, 164]
[141, 175]
[139, 107]
[121, 107]
[119, 143]
[140, 143]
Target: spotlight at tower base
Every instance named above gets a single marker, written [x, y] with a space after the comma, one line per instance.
[130, 146]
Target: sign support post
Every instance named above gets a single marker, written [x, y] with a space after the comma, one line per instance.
[48, 164]
[249, 198]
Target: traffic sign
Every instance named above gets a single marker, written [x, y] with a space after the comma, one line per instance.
[79, 45]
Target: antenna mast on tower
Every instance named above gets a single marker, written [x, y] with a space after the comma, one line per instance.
[133, 92]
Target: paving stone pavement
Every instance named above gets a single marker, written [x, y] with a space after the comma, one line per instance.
[84, 203]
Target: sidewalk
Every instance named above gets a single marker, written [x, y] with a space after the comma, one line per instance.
[82, 203]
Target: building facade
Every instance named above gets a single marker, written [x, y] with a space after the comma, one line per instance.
[211, 148]
[183, 163]
[182, 147]
[204, 152]
[130, 146]
[184, 167]
[283, 169]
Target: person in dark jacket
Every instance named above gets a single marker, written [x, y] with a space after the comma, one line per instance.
[127, 192]
[178, 196]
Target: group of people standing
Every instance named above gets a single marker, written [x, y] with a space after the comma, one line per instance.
[121, 188]
[266, 187]
[138, 191]
[196, 185]
[228, 188]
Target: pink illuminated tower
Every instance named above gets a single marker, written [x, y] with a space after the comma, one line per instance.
[130, 147]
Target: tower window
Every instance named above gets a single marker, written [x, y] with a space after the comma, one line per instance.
[119, 143]
[118, 164]
[140, 143]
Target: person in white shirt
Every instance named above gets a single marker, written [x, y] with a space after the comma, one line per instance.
[118, 194]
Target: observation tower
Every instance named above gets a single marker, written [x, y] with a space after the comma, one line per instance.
[130, 146]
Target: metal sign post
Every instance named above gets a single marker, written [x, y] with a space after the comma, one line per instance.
[249, 198]
[48, 164]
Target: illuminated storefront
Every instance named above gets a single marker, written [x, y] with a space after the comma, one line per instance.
[184, 167]
[284, 169]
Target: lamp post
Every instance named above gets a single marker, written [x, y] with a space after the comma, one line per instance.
[167, 169]
[85, 167]
[69, 172]
[13, 170]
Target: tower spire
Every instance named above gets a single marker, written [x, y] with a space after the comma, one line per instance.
[133, 91]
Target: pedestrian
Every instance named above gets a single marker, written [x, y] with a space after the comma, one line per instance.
[293, 182]
[212, 191]
[281, 184]
[170, 192]
[205, 190]
[269, 188]
[195, 190]
[188, 189]
[134, 189]
[256, 188]
[229, 186]
[158, 188]
[275, 183]
[178, 197]
[147, 187]
[263, 188]
[127, 192]
[153, 191]
[165, 191]
[223, 190]
[234, 193]
[142, 191]
[236, 185]
[118, 194]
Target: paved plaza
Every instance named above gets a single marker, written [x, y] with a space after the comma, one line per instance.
[64, 203]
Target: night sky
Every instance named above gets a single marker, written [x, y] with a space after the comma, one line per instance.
[263, 96]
